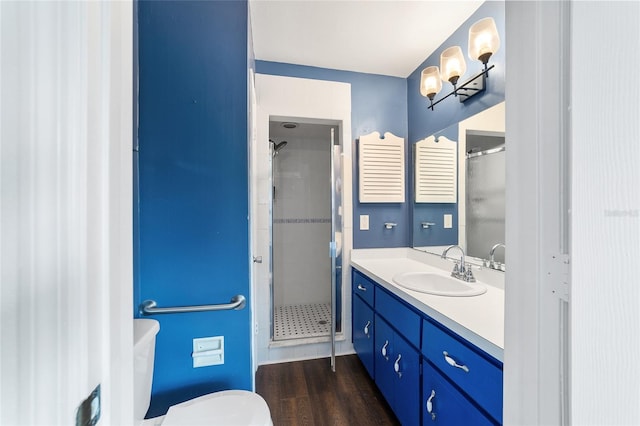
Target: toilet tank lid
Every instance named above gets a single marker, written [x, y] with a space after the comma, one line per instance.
[232, 407]
[144, 330]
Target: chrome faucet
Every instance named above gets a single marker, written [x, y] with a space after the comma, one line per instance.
[492, 263]
[463, 272]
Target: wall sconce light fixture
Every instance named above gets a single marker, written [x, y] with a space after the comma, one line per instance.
[483, 42]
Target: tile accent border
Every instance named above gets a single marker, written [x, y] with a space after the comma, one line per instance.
[302, 220]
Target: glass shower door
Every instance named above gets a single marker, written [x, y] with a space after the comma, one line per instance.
[335, 246]
[485, 202]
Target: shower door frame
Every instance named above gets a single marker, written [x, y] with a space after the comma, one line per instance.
[335, 248]
[335, 245]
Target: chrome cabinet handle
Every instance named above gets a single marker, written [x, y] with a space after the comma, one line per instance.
[396, 366]
[430, 405]
[366, 329]
[361, 287]
[384, 350]
[452, 362]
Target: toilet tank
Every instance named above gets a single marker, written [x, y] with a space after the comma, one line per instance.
[144, 344]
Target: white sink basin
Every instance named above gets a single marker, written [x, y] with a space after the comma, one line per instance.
[426, 282]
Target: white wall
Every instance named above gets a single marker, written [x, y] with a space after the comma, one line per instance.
[535, 352]
[572, 187]
[605, 240]
[308, 101]
[66, 209]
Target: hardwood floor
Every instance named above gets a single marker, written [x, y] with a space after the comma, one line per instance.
[309, 393]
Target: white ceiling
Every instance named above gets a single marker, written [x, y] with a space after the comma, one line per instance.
[370, 36]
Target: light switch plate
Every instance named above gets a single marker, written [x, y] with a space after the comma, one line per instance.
[448, 221]
[364, 222]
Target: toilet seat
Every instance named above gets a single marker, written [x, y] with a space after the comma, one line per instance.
[228, 408]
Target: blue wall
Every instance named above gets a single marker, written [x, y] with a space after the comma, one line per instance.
[192, 228]
[422, 122]
[378, 103]
[435, 235]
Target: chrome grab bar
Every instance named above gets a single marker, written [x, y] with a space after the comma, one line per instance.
[148, 307]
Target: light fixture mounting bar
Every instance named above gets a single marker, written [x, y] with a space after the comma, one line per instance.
[470, 88]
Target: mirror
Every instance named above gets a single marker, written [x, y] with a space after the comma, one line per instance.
[476, 221]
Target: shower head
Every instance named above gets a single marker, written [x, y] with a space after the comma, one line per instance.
[277, 147]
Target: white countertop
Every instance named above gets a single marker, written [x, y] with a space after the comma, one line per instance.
[478, 319]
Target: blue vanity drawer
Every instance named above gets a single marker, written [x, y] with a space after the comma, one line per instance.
[363, 287]
[442, 404]
[477, 374]
[405, 320]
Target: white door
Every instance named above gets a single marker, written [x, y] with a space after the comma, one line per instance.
[65, 210]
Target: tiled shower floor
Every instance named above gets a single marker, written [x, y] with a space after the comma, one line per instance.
[300, 321]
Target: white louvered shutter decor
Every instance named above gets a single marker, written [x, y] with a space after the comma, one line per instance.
[381, 168]
[436, 171]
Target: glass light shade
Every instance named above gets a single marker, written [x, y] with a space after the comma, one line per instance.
[430, 83]
[484, 40]
[452, 64]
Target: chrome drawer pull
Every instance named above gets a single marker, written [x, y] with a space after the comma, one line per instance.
[384, 350]
[366, 329]
[430, 405]
[361, 287]
[453, 363]
[396, 365]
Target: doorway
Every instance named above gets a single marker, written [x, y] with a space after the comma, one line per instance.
[331, 107]
[305, 210]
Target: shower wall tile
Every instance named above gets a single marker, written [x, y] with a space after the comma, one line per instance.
[302, 222]
[302, 270]
[302, 179]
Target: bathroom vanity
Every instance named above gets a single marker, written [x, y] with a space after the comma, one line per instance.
[436, 359]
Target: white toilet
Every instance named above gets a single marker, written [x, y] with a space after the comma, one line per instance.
[232, 407]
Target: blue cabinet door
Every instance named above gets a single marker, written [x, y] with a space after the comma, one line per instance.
[383, 356]
[443, 405]
[406, 382]
[363, 334]
[480, 376]
[397, 372]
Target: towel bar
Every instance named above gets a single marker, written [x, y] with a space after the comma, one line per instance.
[148, 307]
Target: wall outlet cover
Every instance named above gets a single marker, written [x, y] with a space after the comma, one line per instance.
[448, 221]
[364, 222]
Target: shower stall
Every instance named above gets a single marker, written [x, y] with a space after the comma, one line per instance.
[305, 220]
[485, 193]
